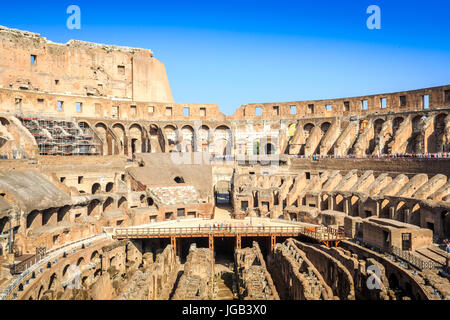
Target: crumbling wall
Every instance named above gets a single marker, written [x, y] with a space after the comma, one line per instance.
[295, 277]
[255, 282]
[196, 282]
[333, 272]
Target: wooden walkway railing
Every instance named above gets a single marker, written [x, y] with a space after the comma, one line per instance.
[317, 233]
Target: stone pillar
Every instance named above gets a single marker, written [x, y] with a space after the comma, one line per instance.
[347, 206]
[407, 216]
[392, 213]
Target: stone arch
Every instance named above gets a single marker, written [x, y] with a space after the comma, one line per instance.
[307, 130]
[339, 202]
[378, 126]
[65, 269]
[415, 215]
[93, 207]
[223, 140]
[122, 203]
[400, 211]
[188, 134]
[396, 123]
[137, 138]
[107, 205]
[62, 214]
[95, 188]
[97, 274]
[40, 291]
[95, 256]
[156, 143]
[119, 130]
[171, 134]
[80, 261]
[102, 132]
[109, 187]
[269, 148]
[384, 209]
[3, 222]
[32, 219]
[439, 136]
[4, 122]
[354, 206]
[325, 126]
[52, 282]
[204, 137]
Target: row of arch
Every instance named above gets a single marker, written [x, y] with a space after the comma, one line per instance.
[136, 138]
[437, 141]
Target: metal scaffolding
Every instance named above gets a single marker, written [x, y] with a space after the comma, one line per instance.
[61, 137]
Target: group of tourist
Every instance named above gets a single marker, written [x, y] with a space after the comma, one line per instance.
[226, 226]
[380, 156]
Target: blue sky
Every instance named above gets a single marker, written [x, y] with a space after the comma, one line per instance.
[237, 52]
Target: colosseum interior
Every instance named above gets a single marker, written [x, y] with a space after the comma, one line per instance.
[109, 190]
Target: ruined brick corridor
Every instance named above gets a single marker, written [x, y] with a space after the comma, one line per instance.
[90, 153]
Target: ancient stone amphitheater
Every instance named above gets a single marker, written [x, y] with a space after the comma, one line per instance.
[111, 190]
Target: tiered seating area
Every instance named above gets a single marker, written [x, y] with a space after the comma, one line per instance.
[176, 195]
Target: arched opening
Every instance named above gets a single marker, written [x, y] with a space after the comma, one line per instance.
[384, 212]
[137, 139]
[179, 180]
[3, 222]
[122, 203]
[80, 262]
[156, 139]
[440, 138]
[204, 138]
[95, 188]
[393, 282]
[324, 127]
[396, 124]
[188, 135]
[66, 268]
[415, 215]
[307, 129]
[339, 203]
[119, 131]
[62, 214]
[354, 206]
[4, 122]
[41, 289]
[269, 149]
[150, 202]
[52, 282]
[107, 205]
[401, 212]
[32, 219]
[256, 146]
[109, 187]
[222, 140]
[102, 132]
[172, 137]
[97, 274]
[93, 207]
[95, 257]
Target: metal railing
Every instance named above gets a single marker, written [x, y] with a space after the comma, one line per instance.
[415, 261]
[318, 233]
[25, 264]
[50, 256]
